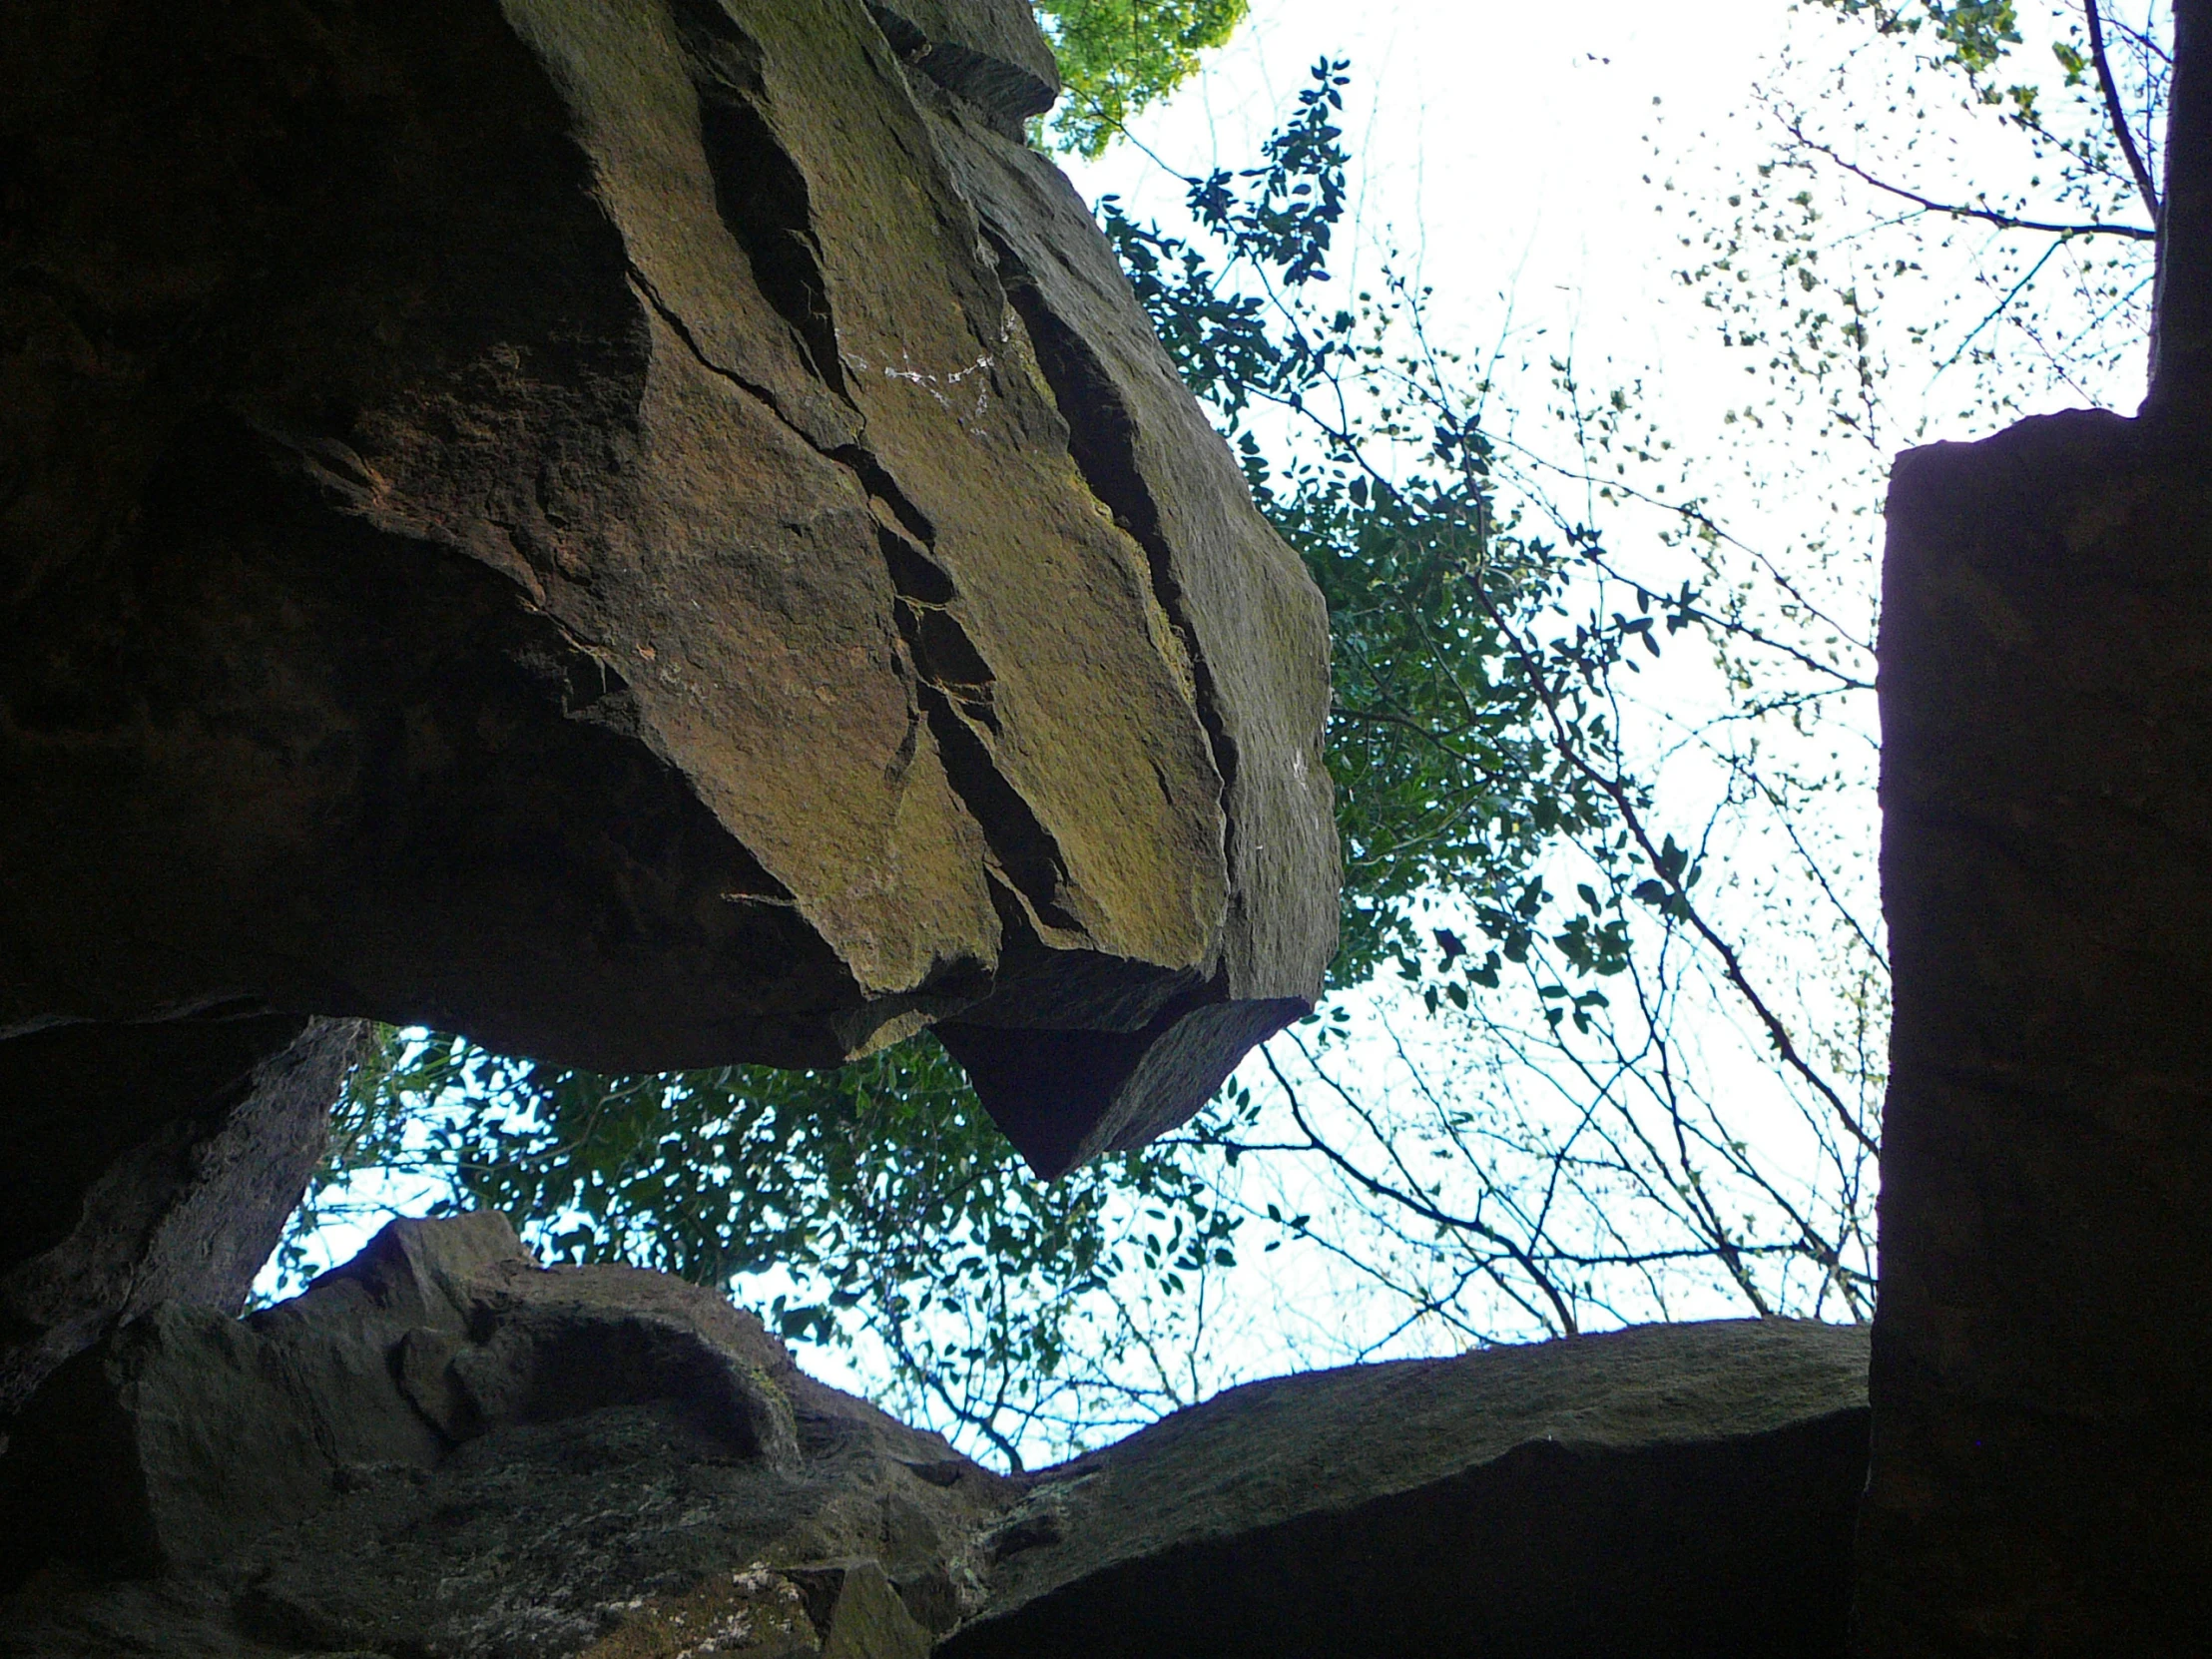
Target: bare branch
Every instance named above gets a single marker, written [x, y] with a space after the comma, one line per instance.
[2116, 112]
[1958, 210]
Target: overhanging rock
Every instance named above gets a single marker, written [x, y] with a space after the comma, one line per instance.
[646, 531]
[1244, 609]
[988, 51]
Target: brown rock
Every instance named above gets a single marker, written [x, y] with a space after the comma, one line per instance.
[988, 51]
[1665, 1490]
[548, 521]
[1243, 606]
[2042, 1378]
[444, 1448]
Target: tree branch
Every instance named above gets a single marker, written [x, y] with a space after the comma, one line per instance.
[2181, 313]
[1987, 216]
[2116, 112]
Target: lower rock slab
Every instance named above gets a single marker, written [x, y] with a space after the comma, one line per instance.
[1670, 1492]
[443, 1451]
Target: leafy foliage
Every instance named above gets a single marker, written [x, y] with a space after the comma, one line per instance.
[1484, 627]
[1970, 34]
[1483, 632]
[2031, 273]
[880, 1196]
[1117, 57]
[1447, 783]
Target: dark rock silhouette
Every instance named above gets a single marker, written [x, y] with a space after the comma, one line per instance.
[2042, 1382]
[148, 1164]
[443, 1447]
[1667, 1490]
[2041, 1478]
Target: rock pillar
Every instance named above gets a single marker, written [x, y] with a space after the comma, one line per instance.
[2042, 1361]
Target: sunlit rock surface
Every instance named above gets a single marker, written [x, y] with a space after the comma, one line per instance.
[649, 532]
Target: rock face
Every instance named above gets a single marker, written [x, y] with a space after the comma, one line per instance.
[444, 1448]
[988, 51]
[1146, 451]
[646, 531]
[2042, 1373]
[148, 1164]
[1670, 1490]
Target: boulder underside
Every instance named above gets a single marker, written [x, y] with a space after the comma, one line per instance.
[148, 1164]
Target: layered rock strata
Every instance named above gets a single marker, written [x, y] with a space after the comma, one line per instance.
[646, 531]
[2042, 1376]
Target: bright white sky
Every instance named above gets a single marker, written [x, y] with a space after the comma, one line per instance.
[1506, 146]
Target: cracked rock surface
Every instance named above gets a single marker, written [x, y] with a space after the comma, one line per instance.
[646, 531]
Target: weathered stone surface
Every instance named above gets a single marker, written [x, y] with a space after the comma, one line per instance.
[148, 1164]
[444, 1448]
[1247, 610]
[1669, 1491]
[988, 50]
[2042, 1376]
[547, 519]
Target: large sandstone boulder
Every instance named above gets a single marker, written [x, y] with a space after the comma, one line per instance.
[1683, 1490]
[646, 531]
[650, 532]
[2042, 1378]
[443, 1448]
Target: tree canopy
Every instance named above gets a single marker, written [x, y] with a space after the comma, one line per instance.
[1118, 57]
